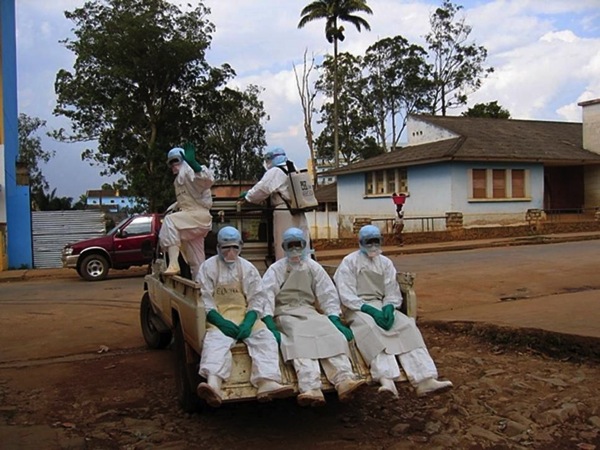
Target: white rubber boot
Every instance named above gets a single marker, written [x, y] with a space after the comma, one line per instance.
[347, 388]
[431, 385]
[211, 391]
[314, 397]
[269, 390]
[173, 268]
[387, 388]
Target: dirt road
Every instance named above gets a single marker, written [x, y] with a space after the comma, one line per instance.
[74, 374]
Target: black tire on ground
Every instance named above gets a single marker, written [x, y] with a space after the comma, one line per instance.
[186, 374]
[154, 339]
[94, 268]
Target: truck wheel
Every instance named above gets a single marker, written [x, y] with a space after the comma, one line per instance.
[94, 268]
[186, 373]
[154, 339]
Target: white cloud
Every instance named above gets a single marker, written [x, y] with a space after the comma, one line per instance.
[546, 56]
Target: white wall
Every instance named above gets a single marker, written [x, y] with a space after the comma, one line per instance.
[419, 132]
[591, 125]
[323, 224]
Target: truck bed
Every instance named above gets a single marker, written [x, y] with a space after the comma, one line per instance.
[177, 305]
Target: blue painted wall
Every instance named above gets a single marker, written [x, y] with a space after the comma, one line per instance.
[115, 203]
[434, 190]
[18, 213]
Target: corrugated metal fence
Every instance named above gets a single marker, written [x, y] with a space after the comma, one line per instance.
[52, 230]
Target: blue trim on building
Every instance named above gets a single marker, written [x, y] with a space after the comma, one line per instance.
[18, 210]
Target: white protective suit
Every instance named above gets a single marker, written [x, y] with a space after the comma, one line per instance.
[362, 280]
[219, 282]
[188, 227]
[274, 185]
[307, 336]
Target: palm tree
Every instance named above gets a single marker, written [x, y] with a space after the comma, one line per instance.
[334, 11]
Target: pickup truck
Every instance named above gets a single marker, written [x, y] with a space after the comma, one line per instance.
[171, 309]
[132, 242]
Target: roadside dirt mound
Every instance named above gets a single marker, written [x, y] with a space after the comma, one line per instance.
[508, 394]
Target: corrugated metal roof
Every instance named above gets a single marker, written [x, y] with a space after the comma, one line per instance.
[52, 230]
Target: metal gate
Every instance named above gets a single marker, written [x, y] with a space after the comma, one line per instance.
[52, 230]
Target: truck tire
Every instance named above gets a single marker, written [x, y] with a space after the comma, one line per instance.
[94, 267]
[186, 374]
[154, 339]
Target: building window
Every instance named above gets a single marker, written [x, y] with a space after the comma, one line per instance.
[487, 184]
[498, 183]
[386, 182]
[518, 183]
[478, 178]
[139, 226]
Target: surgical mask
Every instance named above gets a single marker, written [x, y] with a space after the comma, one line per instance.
[295, 255]
[371, 247]
[229, 253]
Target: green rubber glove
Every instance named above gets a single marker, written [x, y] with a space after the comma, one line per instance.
[190, 157]
[226, 326]
[242, 195]
[246, 325]
[270, 323]
[388, 312]
[347, 332]
[377, 315]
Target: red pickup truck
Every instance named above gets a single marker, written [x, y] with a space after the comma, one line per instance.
[131, 243]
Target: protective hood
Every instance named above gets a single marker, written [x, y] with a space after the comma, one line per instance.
[369, 240]
[229, 244]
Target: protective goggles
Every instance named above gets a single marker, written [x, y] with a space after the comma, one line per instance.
[372, 241]
[291, 245]
[269, 157]
[225, 248]
[171, 162]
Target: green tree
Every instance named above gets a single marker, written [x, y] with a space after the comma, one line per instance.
[81, 203]
[236, 133]
[50, 202]
[491, 110]
[397, 84]
[139, 87]
[355, 123]
[334, 12]
[457, 65]
[31, 152]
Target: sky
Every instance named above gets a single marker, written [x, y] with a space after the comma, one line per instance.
[545, 55]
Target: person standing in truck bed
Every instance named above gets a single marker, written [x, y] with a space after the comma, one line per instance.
[275, 187]
[189, 225]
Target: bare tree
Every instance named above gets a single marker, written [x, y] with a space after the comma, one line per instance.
[307, 99]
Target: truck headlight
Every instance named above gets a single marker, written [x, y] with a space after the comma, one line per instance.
[67, 251]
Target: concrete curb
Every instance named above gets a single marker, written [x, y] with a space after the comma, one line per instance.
[464, 245]
[60, 273]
